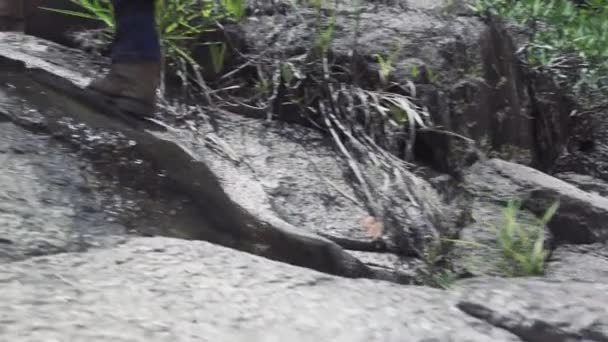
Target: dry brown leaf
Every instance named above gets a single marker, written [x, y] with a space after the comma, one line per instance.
[373, 227]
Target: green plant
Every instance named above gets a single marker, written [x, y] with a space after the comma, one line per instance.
[180, 24]
[436, 273]
[521, 246]
[448, 6]
[263, 87]
[218, 52]
[433, 77]
[325, 36]
[443, 279]
[95, 10]
[415, 71]
[386, 64]
[523, 250]
[236, 8]
[569, 39]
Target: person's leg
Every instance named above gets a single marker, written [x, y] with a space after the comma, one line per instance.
[136, 38]
[136, 55]
[11, 15]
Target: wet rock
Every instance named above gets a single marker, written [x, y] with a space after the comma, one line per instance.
[580, 262]
[301, 176]
[292, 174]
[411, 212]
[581, 218]
[588, 148]
[54, 201]
[552, 111]
[585, 182]
[539, 310]
[239, 216]
[397, 268]
[166, 290]
[465, 70]
[91, 167]
[48, 203]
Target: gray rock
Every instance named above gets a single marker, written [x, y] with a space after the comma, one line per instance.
[54, 200]
[540, 310]
[401, 269]
[465, 70]
[232, 187]
[173, 290]
[582, 217]
[585, 182]
[588, 147]
[48, 201]
[579, 262]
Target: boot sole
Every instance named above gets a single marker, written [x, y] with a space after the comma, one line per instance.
[125, 109]
[133, 107]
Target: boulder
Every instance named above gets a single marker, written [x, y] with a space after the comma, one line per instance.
[464, 69]
[539, 310]
[240, 216]
[263, 188]
[171, 289]
[50, 202]
[54, 200]
[587, 263]
[588, 147]
[165, 289]
[582, 217]
[585, 182]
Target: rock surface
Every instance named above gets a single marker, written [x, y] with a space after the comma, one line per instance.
[585, 182]
[580, 262]
[47, 201]
[464, 70]
[284, 184]
[247, 210]
[166, 289]
[588, 147]
[539, 310]
[52, 200]
[174, 290]
[581, 218]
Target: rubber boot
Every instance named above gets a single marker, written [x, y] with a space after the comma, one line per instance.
[131, 87]
[12, 15]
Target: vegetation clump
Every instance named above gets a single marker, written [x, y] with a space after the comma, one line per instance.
[568, 37]
[180, 24]
[523, 250]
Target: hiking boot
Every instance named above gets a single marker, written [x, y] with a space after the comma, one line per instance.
[131, 87]
[11, 15]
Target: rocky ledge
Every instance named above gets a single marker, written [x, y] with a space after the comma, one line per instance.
[304, 236]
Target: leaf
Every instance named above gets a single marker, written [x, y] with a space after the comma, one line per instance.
[373, 227]
[549, 213]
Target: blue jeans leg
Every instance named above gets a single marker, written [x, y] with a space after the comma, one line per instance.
[136, 38]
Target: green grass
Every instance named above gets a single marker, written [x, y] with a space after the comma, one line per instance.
[436, 274]
[523, 249]
[521, 246]
[570, 40]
